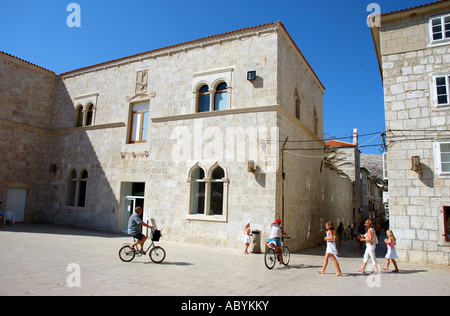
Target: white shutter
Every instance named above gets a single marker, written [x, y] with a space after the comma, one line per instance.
[437, 158]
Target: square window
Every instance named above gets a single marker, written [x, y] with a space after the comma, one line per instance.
[442, 90]
[440, 28]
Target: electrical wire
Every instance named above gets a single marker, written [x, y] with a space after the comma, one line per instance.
[324, 139]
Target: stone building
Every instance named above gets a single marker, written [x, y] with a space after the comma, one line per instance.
[413, 50]
[347, 160]
[365, 173]
[193, 133]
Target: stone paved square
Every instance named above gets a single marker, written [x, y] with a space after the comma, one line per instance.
[35, 261]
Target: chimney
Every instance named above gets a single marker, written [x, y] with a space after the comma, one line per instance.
[355, 137]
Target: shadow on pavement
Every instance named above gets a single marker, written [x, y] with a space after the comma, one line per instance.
[57, 230]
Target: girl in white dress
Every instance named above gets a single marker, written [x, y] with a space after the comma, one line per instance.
[391, 253]
[331, 249]
[247, 238]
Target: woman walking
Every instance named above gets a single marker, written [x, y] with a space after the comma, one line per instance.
[331, 251]
[371, 240]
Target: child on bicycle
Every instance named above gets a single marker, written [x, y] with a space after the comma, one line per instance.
[275, 238]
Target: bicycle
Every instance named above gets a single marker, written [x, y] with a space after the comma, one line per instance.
[271, 256]
[157, 254]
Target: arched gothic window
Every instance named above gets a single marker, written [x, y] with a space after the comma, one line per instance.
[203, 99]
[79, 116]
[82, 189]
[216, 193]
[220, 97]
[198, 191]
[77, 189]
[90, 115]
[209, 192]
[72, 190]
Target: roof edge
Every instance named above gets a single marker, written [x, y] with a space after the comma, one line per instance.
[423, 6]
[163, 50]
[339, 143]
[27, 62]
[199, 41]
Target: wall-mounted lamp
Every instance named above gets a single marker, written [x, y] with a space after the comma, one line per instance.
[53, 168]
[415, 164]
[122, 155]
[134, 154]
[251, 166]
[251, 75]
[147, 154]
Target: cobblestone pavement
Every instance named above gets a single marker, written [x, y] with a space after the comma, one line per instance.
[50, 260]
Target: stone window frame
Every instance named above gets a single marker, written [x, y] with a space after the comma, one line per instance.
[433, 88]
[206, 216]
[437, 158]
[212, 79]
[76, 185]
[88, 105]
[444, 40]
[141, 123]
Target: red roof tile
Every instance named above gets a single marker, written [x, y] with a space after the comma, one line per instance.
[339, 143]
[416, 7]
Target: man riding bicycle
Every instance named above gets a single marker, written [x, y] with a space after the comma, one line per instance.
[275, 237]
[134, 229]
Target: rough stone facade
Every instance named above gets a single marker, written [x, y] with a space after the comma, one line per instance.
[109, 174]
[409, 62]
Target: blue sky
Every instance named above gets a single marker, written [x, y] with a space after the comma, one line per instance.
[333, 36]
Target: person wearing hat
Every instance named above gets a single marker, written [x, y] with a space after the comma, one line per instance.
[275, 237]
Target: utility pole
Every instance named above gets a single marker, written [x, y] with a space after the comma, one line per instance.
[283, 177]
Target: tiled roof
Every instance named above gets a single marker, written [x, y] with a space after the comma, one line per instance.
[183, 44]
[198, 41]
[168, 47]
[413, 8]
[339, 143]
[27, 62]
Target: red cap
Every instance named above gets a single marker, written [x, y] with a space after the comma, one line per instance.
[278, 221]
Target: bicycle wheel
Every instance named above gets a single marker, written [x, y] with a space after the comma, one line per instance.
[270, 258]
[286, 255]
[126, 254]
[157, 254]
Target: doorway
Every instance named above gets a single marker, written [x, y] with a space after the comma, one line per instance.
[133, 196]
[16, 201]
